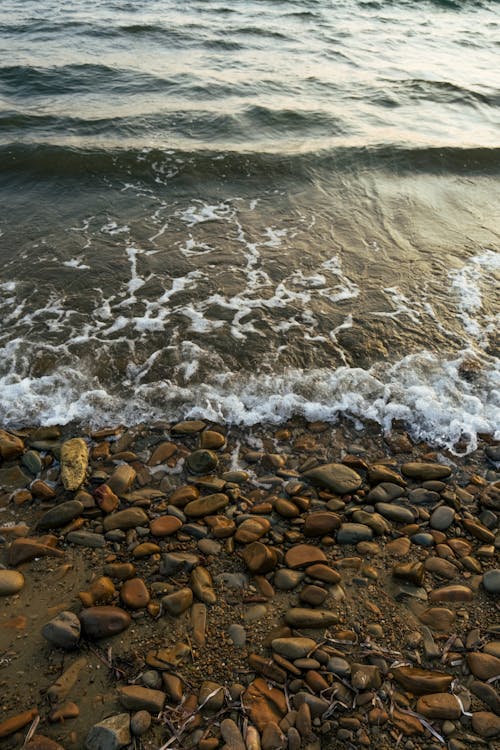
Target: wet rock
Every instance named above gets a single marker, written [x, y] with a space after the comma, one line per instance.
[422, 681]
[66, 681]
[83, 538]
[412, 572]
[60, 515]
[303, 555]
[286, 580]
[63, 630]
[211, 696]
[259, 558]
[74, 461]
[335, 477]
[442, 518]
[202, 585]
[13, 478]
[487, 694]
[134, 593]
[175, 563]
[425, 471]
[320, 523]
[126, 519]
[293, 648]
[352, 533]
[202, 461]
[439, 706]
[438, 618]
[112, 733]
[486, 724]
[456, 593]
[11, 446]
[183, 495]
[263, 703]
[140, 723]
[137, 698]
[162, 453]
[231, 735]
[300, 617]
[11, 582]
[23, 550]
[177, 603]
[478, 530]
[491, 581]
[483, 666]
[165, 526]
[103, 622]
[212, 440]
[323, 573]
[17, 722]
[251, 530]
[122, 479]
[206, 506]
[188, 427]
[421, 496]
[396, 513]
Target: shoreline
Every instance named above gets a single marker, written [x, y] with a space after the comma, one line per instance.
[192, 585]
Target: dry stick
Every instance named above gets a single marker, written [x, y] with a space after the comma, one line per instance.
[31, 730]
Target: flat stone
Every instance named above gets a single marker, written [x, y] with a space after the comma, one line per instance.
[137, 698]
[259, 558]
[202, 461]
[486, 724]
[421, 496]
[398, 547]
[129, 518]
[491, 581]
[165, 526]
[122, 479]
[112, 733]
[425, 471]
[82, 538]
[457, 593]
[335, 477]
[324, 573]
[301, 617]
[442, 518]
[140, 723]
[202, 585]
[441, 567]
[134, 593]
[396, 513]
[206, 506]
[251, 530]
[320, 523]
[303, 555]
[23, 550]
[103, 622]
[74, 462]
[11, 582]
[438, 618]
[263, 703]
[483, 666]
[177, 603]
[439, 706]
[211, 695]
[232, 735]
[293, 648]
[385, 492]
[63, 630]
[412, 572]
[13, 478]
[162, 453]
[286, 580]
[174, 563]
[478, 530]
[421, 681]
[352, 533]
[188, 427]
[11, 446]
[273, 738]
[61, 515]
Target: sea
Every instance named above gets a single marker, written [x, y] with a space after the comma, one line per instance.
[251, 211]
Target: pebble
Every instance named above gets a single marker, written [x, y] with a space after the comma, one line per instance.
[259, 558]
[126, 519]
[483, 666]
[177, 603]
[74, 462]
[321, 523]
[202, 461]
[237, 635]
[336, 477]
[60, 515]
[425, 471]
[211, 695]
[122, 479]
[301, 617]
[17, 722]
[11, 582]
[352, 533]
[396, 513]
[84, 538]
[263, 704]
[103, 622]
[137, 698]
[112, 733]
[286, 579]
[486, 724]
[232, 735]
[457, 593]
[293, 648]
[421, 681]
[439, 706]
[303, 555]
[165, 526]
[491, 581]
[206, 506]
[202, 585]
[134, 593]
[442, 518]
[140, 723]
[63, 630]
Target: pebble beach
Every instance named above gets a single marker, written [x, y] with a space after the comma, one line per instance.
[191, 585]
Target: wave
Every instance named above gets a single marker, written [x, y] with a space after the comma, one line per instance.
[47, 160]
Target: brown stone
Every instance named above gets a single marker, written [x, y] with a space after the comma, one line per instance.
[212, 440]
[177, 603]
[304, 554]
[122, 478]
[301, 617]
[483, 666]
[206, 506]
[145, 549]
[478, 530]
[41, 742]
[23, 550]
[437, 618]
[11, 446]
[313, 595]
[320, 523]
[120, 571]
[286, 508]
[125, 519]
[103, 622]
[323, 573]
[486, 724]
[106, 498]
[425, 471]
[421, 681]
[398, 547]
[42, 490]
[406, 723]
[68, 710]
[251, 530]
[137, 698]
[165, 525]
[17, 722]
[456, 593]
[259, 558]
[162, 453]
[183, 495]
[335, 477]
[441, 567]
[264, 703]
[411, 571]
[439, 706]
[222, 527]
[134, 593]
[101, 591]
[74, 461]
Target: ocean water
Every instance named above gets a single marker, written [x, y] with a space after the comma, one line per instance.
[251, 211]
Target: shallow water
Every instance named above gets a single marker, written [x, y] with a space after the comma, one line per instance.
[251, 212]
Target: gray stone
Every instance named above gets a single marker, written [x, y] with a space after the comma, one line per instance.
[60, 515]
[86, 539]
[237, 634]
[339, 666]
[491, 581]
[293, 648]
[335, 477]
[442, 518]
[396, 513]
[174, 563]
[125, 519]
[202, 461]
[385, 492]
[286, 580]
[421, 496]
[111, 734]
[63, 630]
[352, 533]
[423, 539]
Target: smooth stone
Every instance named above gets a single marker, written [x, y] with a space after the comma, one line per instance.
[232, 735]
[211, 695]
[398, 547]
[259, 558]
[237, 634]
[437, 618]
[173, 686]
[425, 471]
[339, 666]
[487, 694]
[441, 567]
[162, 453]
[396, 513]
[17, 722]
[442, 518]
[188, 427]
[312, 595]
[174, 563]
[421, 681]
[41, 742]
[421, 496]
[103, 622]
[202, 461]
[138, 698]
[439, 706]
[304, 554]
[11, 582]
[140, 723]
[251, 530]
[112, 733]
[120, 571]
[365, 676]
[31, 460]
[165, 526]
[13, 478]
[11, 446]
[263, 704]
[352, 533]
[385, 492]
[134, 593]
[121, 479]
[202, 585]
[212, 440]
[412, 572]
[206, 506]
[491, 581]
[335, 477]
[83, 538]
[177, 603]
[286, 580]
[423, 539]
[293, 648]
[60, 515]
[455, 593]
[324, 573]
[374, 521]
[74, 462]
[272, 737]
[483, 666]
[301, 617]
[129, 518]
[22, 550]
[486, 724]
[320, 523]
[63, 630]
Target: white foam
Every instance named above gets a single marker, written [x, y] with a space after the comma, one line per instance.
[466, 284]
[76, 263]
